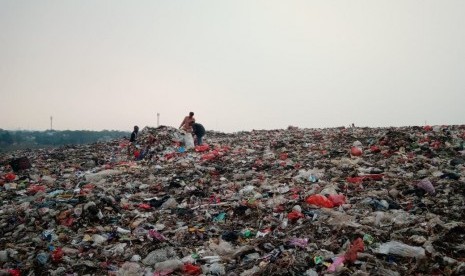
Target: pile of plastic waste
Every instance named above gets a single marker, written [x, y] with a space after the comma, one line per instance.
[345, 201]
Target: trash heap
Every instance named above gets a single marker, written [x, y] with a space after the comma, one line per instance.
[357, 201]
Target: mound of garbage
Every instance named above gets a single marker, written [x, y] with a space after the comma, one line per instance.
[345, 201]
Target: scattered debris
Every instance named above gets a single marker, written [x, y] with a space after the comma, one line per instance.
[358, 201]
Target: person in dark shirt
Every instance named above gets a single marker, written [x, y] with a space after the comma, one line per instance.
[199, 132]
[134, 134]
[133, 140]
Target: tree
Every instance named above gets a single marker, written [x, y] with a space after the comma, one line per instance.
[5, 138]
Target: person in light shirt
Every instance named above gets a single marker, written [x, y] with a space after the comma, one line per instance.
[186, 124]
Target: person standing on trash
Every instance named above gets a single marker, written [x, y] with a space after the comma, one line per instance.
[199, 132]
[133, 139]
[186, 124]
[134, 134]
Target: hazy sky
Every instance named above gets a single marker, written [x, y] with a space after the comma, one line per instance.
[239, 65]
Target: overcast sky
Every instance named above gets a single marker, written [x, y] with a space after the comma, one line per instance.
[239, 65]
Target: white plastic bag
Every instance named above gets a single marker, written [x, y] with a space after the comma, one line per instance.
[401, 249]
[188, 141]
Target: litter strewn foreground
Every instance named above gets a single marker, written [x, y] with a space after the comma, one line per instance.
[359, 201]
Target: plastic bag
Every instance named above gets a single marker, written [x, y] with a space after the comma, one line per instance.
[375, 149]
[356, 151]
[337, 200]
[360, 179]
[401, 249]
[14, 272]
[338, 262]
[190, 269]
[202, 148]
[355, 247]
[144, 206]
[57, 254]
[427, 128]
[155, 235]
[35, 189]
[426, 185]
[210, 156]
[302, 243]
[188, 141]
[10, 176]
[294, 216]
[319, 200]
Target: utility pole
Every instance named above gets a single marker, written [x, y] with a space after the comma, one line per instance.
[51, 123]
[158, 119]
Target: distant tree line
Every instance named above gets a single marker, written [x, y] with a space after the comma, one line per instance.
[13, 140]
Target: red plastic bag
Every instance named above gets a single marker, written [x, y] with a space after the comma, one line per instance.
[355, 151]
[210, 156]
[294, 215]
[154, 234]
[10, 176]
[359, 179]
[57, 254]
[144, 206]
[375, 149]
[258, 163]
[190, 269]
[33, 189]
[202, 148]
[68, 222]
[354, 248]
[319, 200]
[279, 209]
[14, 272]
[224, 149]
[355, 180]
[427, 128]
[436, 145]
[168, 156]
[337, 200]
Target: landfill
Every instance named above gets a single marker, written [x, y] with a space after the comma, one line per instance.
[335, 201]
